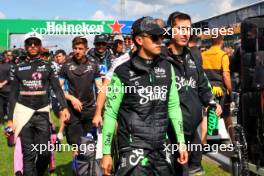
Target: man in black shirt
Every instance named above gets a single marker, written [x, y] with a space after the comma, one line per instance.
[81, 75]
[193, 86]
[4, 86]
[29, 105]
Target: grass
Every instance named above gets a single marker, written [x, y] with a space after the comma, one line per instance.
[212, 169]
[63, 160]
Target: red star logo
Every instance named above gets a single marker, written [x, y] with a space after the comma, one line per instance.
[116, 27]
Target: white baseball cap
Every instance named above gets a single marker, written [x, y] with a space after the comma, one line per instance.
[118, 37]
[32, 35]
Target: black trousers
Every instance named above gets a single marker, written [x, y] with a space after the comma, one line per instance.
[3, 104]
[35, 133]
[144, 163]
[80, 123]
[195, 157]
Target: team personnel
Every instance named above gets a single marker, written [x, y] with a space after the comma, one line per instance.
[4, 83]
[81, 74]
[29, 105]
[193, 86]
[143, 112]
[101, 54]
[118, 46]
[59, 60]
[100, 101]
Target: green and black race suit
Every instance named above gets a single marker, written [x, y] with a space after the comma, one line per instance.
[142, 97]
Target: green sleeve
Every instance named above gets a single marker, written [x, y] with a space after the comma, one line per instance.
[114, 98]
[174, 109]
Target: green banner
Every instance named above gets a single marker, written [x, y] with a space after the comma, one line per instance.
[53, 27]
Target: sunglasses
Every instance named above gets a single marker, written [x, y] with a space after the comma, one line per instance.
[101, 44]
[154, 38]
[30, 42]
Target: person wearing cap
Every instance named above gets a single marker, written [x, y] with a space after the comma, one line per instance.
[193, 86]
[118, 47]
[142, 98]
[101, 54]
[31, 81]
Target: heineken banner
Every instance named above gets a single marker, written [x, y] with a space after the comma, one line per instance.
[59, 27]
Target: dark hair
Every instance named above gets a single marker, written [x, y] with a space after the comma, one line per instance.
[194, 38]
[134, 41]
[60, 51]
[217, 39]
[6, 51]
[160, 22]
[177, 15]
[79, 40]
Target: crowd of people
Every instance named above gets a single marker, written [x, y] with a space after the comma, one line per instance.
[174, 85]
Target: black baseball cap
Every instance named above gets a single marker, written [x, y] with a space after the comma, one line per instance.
[146, 25]
[102, 38]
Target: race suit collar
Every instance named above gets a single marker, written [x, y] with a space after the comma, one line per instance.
[144, 65]
[29, 60]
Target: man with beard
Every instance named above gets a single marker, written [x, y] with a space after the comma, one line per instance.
[31, 80]
[81, 74]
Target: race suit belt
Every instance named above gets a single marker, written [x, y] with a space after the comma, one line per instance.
[33, 92]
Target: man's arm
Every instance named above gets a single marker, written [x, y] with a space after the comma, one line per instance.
[55, 84]
[113, 102]
[2, 84]
[100, 101]
[174, 110]
[226, 73]
[175, 115]
[99, 84]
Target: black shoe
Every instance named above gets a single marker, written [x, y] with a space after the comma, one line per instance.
[196, 171]
[19, 173]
